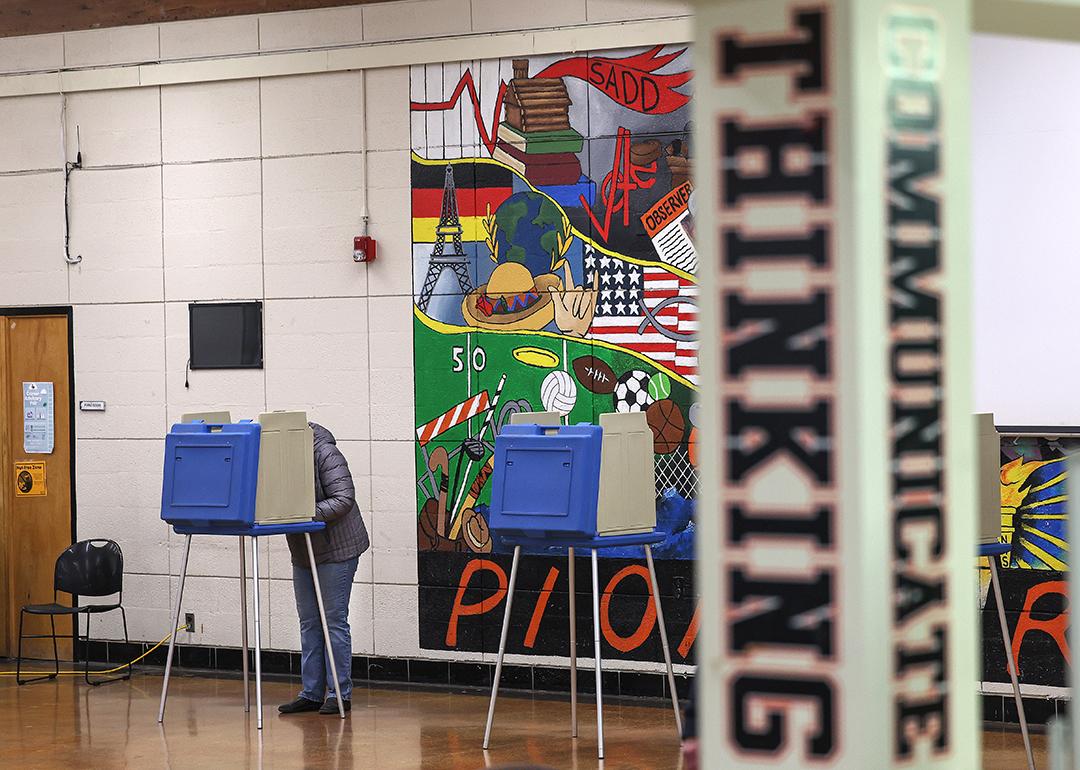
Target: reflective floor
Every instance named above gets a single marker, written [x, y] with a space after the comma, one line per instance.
[64, 724]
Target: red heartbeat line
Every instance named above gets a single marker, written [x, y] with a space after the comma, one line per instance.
[466, 81]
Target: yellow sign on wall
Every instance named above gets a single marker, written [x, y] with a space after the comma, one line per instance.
[30, 479]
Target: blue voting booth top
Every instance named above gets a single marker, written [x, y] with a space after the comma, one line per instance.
[211, 481]
[545, 482]
[211, 474]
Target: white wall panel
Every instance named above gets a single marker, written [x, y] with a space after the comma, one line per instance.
[311, 211]
[210, 121]
[317, 358]
[306, 114]
[119, 359]
[115, 45]
[411, 19]
[31, 131]
[227, 36]
[114, 128]
[31, 53]
[311, 29]
[116, 228]
[213, 230]
[32, 240]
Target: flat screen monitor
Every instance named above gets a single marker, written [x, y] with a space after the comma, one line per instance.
[226, 335]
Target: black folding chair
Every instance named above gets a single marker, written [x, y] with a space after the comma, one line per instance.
[87, 568]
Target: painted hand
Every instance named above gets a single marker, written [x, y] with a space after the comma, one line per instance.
[575, 305]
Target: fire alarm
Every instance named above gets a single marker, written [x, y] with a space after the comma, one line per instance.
[363, 248]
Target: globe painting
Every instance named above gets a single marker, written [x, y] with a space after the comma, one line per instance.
[528, 230]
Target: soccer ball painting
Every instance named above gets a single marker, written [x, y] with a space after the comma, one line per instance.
[632, 392]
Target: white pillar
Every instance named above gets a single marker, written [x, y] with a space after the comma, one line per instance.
[837, 542]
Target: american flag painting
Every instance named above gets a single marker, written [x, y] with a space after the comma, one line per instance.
[646, 309]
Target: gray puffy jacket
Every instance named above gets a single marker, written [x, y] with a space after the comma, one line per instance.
[335, 503]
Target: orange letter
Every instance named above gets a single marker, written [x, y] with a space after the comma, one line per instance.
[691, 632]
[648, 620]
[485, 605]
[541, 605]
[1055, 626]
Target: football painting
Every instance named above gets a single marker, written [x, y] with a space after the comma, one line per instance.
[554, 270]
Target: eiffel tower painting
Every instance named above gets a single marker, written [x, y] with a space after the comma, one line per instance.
[457, 260]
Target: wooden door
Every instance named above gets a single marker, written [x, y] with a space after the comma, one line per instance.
[34, 527]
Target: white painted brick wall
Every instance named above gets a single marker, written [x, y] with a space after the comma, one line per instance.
[119, 359]
[115, 128]
[213, 230]
[32, 240]
[210, 121]
[118, 45]
[500, 15]
[31, 131]
[311, 211]
[31, 53]
[415, 19]
[234, 190]
[312, 114]
[229, 36]
[116, 228]
[333, 26]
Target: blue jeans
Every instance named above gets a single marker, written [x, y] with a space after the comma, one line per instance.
[335, 579]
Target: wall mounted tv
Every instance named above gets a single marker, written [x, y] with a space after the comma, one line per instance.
[226, 335]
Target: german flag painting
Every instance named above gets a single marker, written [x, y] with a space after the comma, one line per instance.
[480, 188]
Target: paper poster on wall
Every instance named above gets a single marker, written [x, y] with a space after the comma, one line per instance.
[38, 422]
[30, 479]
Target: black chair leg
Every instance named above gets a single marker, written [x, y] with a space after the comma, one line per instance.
[86, 649]
[86, 671]
[123, 616]
[18, 660]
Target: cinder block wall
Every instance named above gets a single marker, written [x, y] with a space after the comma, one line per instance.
[238, 189]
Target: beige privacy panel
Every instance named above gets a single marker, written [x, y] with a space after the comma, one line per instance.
[286, 469]
[627, 501]
[546, 419]
[210, 418]
[989, 475]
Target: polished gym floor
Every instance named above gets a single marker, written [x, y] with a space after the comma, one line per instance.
[68, 724]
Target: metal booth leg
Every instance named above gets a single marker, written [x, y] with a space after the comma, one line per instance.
[664, 639]
[175, 628]
[596, 655]
[325, 627]
[258, 632]
[996, 583]
[502, 645]
[573, 647]
[244, 623]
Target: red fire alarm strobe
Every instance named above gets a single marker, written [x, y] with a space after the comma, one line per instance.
[363, 248]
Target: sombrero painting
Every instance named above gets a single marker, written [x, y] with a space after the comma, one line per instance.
[512, 299]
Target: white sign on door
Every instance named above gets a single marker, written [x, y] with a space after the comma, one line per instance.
[38, 418]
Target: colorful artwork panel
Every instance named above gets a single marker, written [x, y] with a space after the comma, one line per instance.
[554, 270]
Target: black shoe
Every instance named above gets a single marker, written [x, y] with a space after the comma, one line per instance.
[299, 705]
[330, 707]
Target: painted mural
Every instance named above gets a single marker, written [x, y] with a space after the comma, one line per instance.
[554, 270]
[1033, 576]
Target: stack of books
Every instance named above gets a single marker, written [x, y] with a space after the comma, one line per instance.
[542, 157]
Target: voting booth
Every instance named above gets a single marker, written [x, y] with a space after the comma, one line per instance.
[574, 480]
[576, 486]
[245, 479]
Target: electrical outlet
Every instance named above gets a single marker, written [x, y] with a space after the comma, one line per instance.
[189, 622]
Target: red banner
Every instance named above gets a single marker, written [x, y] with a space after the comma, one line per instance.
[631, 81]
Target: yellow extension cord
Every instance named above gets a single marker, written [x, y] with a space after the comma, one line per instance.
[96, 673]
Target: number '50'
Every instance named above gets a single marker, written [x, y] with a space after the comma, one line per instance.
[479, 359]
